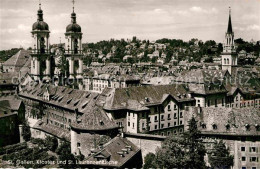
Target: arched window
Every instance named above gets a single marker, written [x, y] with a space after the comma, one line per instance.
[42, 45]
[76, 46]
[225, 62]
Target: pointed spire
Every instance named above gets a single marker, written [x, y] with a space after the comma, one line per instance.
[40, 4]
[229, 30]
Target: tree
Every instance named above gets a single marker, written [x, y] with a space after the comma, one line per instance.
[64, 153]
[149, 161]
[220, 157]
[185, 151]
[26, 132]
[51, 143]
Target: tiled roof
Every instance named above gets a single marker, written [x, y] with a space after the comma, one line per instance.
[7, 78]
[53, 130]
[138, 98]
[19, 59]
[9, 105]
[84, 102]
[112, 149]
[228, 121]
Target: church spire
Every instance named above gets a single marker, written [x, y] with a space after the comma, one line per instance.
[229, 30]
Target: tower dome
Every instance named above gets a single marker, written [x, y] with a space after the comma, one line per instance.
[40, 25]
[73, 27]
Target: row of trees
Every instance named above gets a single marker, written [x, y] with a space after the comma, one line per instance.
[187, 152]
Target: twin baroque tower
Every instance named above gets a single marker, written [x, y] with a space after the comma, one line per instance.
[42, 60]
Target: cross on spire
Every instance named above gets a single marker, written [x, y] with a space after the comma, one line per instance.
[73, 2]
[40, 4]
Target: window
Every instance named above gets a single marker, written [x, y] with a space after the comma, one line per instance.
[175, 107]
[175, 123]
[243, 167]
[162, 117]
[155, 127]
[175, 115]
[155, 119]
[133, 125]
[128, 124]
[143, 125]
[169, 117]
[169, 124]
[253, 159]
[78, 145]
[243, 149]
[169, 107]
[252, 149]
[162, 125]
[204, 126]
[181, 122]
[253, 167]
[243, 158]
[168, 133]
[181, 115]
[128, 113]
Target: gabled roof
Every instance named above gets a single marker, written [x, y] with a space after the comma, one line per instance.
[138, 98]
[19, 59]
[236, 118]
[77, 101]
[113, 148]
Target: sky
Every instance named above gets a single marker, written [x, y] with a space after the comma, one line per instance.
[146, 19]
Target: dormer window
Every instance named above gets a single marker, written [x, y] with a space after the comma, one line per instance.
[60, 99]
[68, 102]
[247, 126]
[146, 99]
[84, 105]
[227, 126]
[70, 92]
[214, 126]
[203, 125]
[75, 104]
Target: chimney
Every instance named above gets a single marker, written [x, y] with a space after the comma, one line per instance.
[121, 154]
[129, 148]
[125, 150]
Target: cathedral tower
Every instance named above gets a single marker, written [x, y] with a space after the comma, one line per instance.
[229, 55]
[73, 48]
[40, 64]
